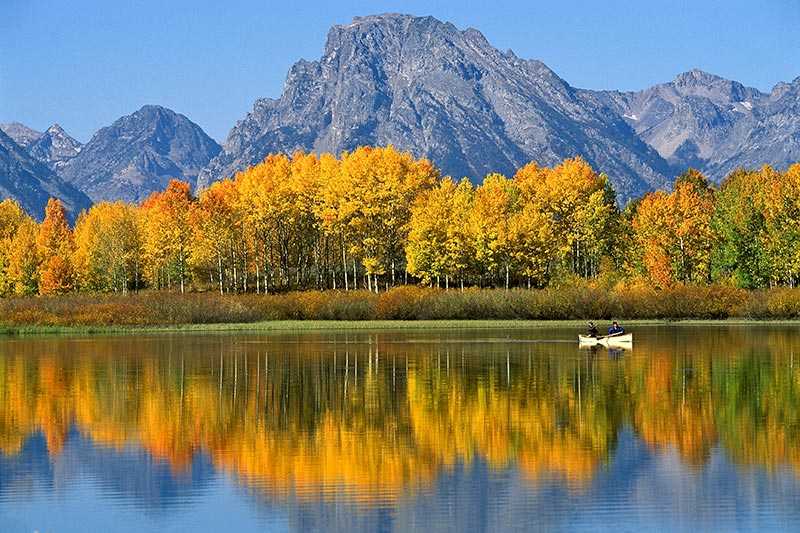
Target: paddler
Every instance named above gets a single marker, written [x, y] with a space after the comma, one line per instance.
[616, 329]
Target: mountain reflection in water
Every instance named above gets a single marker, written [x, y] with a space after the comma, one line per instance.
[458, 430]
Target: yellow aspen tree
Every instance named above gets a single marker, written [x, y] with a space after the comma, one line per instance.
[782, 214]
[269, 201]
[108, 248]
[382, 184]
[307, 247]
[674, 232]
[581, 206]
[460, 243]
[55, 245]
[214, 221]
[652, 224]
[24, 260]
[333, 211]
[496, 201]
[167, 234]
[11, 217]
[426, 251]
[532, 244]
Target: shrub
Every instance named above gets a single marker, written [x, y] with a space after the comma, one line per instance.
[773, 303]
[580, 300]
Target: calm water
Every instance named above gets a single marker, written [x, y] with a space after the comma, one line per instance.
[697, 428]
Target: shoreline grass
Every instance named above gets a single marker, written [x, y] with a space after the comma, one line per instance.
[406, 307]
[364, 325]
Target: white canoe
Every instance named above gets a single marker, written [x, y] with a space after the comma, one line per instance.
[608, 340]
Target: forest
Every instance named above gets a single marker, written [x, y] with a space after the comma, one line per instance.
[377, 218]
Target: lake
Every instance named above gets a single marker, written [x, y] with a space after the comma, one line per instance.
[695, 428]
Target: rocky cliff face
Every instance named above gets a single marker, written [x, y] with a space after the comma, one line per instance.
[713, 124]
[20, 133]
[425, 86]
[54, 147]
[770, 134]
[139, 154]
[31, 183]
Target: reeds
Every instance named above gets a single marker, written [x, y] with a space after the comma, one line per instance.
[583, 301]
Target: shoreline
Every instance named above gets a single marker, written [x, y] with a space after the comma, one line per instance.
[364, 325]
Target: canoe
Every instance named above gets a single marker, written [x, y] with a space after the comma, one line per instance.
[608, 340]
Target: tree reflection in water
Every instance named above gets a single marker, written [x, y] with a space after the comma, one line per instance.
[381, 416]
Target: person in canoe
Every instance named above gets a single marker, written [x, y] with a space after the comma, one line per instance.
[616, 329]
[593, 331]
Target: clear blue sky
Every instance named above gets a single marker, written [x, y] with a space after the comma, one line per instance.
[84, 63]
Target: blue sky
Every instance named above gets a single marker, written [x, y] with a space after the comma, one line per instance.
[85, 63]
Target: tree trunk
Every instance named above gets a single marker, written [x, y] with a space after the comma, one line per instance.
[344, 267]
[244, 272]
[235, 270]
[219, 270]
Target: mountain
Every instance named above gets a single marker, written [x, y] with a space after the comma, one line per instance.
[446, 94]
[20, 133]
[714, 124]
[139, 154]
[54, 147]
[31, 183]
[770, 135]
[443, 93]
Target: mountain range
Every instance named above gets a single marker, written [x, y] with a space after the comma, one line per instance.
[426, 86]
[139, 154]
[32, 183]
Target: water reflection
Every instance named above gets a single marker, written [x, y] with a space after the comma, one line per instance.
[400, 427]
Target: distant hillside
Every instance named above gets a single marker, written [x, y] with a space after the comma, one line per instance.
[31, 183]
[139, 154]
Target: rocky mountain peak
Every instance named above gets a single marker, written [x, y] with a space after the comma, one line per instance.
[55, 147]
[425, 86]
[698, 83]
[31, 183]
[56, 129]
[20, 133]
[139, 153]
[714, 124]
[696, 77]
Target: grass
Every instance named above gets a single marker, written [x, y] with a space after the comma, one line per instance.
[400, 308]
[302, 325]
[365, 325]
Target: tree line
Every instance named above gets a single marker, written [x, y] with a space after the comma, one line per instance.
[376, 218]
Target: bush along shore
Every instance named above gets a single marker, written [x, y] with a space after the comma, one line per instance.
[406, 303]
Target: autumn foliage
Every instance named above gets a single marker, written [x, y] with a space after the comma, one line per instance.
[377, 218]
